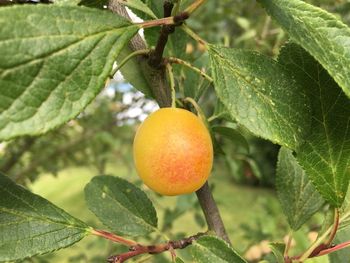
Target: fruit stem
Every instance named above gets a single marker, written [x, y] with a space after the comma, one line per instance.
[200, 113]
[169, 69]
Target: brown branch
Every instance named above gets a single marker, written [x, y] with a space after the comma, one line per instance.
[211, 212]
[322, 250]
[334, 248]
[156, 78]
[155, 249]
[156, 56]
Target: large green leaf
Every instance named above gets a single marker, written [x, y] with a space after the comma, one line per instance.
[121, 206]
[325, 155]
[298, 197]
[322, 34]
[260, 95]
[31, 225]
[210, 249]
[54, 61]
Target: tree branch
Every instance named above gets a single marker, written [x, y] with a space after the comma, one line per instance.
[155, 249]
[156, 56]
[211, 212]
[155, 77]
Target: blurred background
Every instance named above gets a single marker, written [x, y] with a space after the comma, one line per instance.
[59, 164]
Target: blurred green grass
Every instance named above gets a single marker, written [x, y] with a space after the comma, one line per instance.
[250, 214]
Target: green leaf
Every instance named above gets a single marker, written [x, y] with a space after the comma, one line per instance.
[298, 197]
[233, 135]
[221, 112]
[194, 85]
[132, 71]
[31, 225]
[322, 34]
[54, 60]
[260, 95]
[278, 251]
[208, 249]
[325, 154]
[121, 206]
[140, 6]
[179, 260]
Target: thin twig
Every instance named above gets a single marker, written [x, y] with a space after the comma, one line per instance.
[194, 6]
[157, 22]
[334, 248]
[335, 227]
[154, 249]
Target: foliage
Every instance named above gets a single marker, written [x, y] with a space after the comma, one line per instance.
[31, 225]
[89, 140]
[58, 96]
[298, 205]
[110, 197]
[56, 58]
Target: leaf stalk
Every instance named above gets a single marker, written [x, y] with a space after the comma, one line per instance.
[190, 66]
